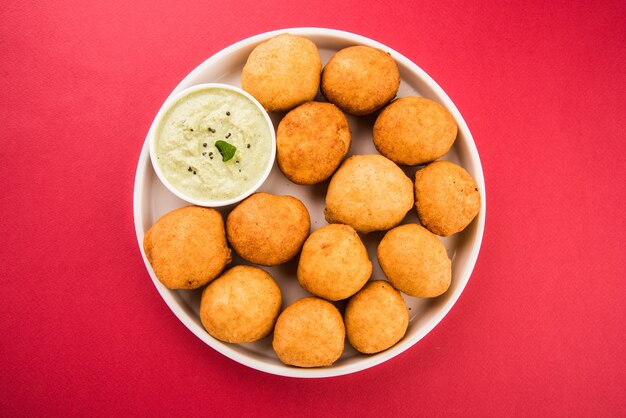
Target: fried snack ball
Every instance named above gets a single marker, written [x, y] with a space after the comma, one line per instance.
[267, 229]
[309, 333]
[415, 261]
[241, 305]
[376, 318]
[414, 131]
[447, 198]
[311, 142]
[360, 79]
[369, 193]
[283, 72]
[334, 263]
[187, 247]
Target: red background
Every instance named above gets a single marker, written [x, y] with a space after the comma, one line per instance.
[540, 327]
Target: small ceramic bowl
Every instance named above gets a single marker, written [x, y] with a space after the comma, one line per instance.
[174, 101]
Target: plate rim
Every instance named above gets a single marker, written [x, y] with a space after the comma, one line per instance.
[371, 360]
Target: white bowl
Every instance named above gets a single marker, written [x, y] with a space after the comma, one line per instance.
[172, 101]
[152, 199]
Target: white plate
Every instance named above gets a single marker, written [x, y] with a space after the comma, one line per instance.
[152, 200]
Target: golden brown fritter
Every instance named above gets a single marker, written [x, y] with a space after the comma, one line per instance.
[360, 79]
[334, 263]
[311, 142]
[309, 333]
[414, 131]
[415, 261]
[187, 247]
[447, 198]
[267, 229]
[241, 305]
[376, 317]
[369, 193]
[282, 72]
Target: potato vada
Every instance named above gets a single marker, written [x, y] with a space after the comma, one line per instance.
[334, 263]
[282, 72]
[309, 333]
[376, 317]
[268, 229]
[360, 79]
[415, 261]
[187, 247]
[369, 193]
[241, 305]
[447, 198]
[311, 142]
[414, 131]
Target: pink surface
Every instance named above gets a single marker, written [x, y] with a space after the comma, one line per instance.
[540, 327]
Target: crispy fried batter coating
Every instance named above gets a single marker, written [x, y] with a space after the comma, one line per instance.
[447, 198]
[369, 193]
[241, 305]
[309, 333]
[268, 229]
[415, 261]
[414, 131]
[376, 317]
[334, 263]
[311, 142]
[187, 247]
[360, 79]
[283, 72]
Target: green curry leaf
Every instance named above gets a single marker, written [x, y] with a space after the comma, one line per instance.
[227, 150]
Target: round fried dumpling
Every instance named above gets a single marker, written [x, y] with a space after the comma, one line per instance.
[267, 229]
[447, 198]
[415, 261]
[241, 305]
[187, 247]
[360, 79]
[283, 72]
[369, 193]
[414, 131]
[309, 333]
[334, 263]
[311, 142]
[376, 318]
